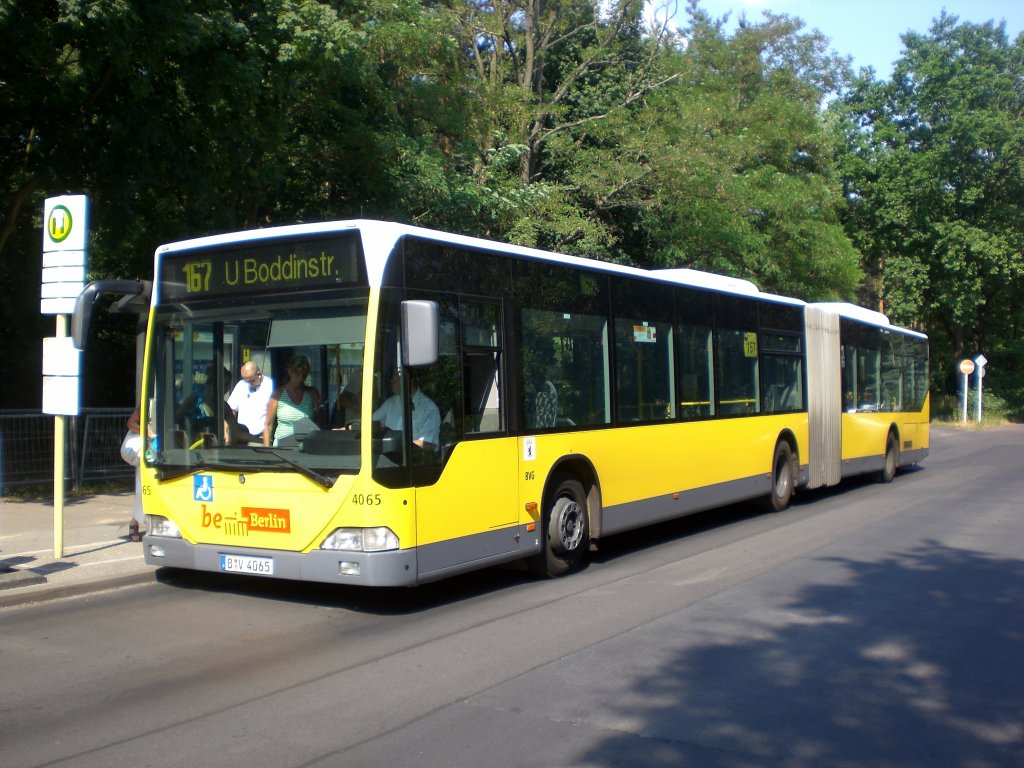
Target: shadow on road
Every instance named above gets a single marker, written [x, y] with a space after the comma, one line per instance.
[914, 661]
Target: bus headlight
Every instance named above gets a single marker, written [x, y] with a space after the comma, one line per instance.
[160, 526]
[361, 540]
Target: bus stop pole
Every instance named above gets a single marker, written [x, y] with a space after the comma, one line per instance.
[58, 466]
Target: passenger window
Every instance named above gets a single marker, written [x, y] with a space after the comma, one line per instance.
[644, 352]
[782, 373]
[481, 366]
[563, 346]
[696, 391]
[738, 374]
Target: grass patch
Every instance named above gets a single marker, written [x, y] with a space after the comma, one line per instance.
[948, 411]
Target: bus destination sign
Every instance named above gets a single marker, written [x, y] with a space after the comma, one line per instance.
[275, 266]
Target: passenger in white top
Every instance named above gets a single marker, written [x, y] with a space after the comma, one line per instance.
[248, 401]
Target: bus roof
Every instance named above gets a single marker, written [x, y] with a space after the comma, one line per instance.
[863, 315]
[379, 238]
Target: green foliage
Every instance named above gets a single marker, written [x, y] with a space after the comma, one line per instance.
[933, 165]
[995, 410]
[571, 126]
[742, 174]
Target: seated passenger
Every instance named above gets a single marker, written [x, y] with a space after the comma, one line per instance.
[545, 404]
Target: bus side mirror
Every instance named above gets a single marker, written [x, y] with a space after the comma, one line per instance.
[85, 304]
[81, 318]
[419, 332]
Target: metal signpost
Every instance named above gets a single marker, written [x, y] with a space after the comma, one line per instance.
[65, 229]
[966, 368]
[981, 361]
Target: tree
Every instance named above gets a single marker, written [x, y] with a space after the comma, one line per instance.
[744, 177]
[934, 167]
[181, 118]
[551, 78]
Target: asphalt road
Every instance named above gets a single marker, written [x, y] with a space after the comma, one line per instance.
[872, 625]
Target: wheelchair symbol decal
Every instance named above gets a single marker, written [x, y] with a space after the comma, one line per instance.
[202, 487]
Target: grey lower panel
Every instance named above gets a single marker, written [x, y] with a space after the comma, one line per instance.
[403, 568]
[866, 464]
[863, 465]
[468, 553]
[377, 569]
[635, 514]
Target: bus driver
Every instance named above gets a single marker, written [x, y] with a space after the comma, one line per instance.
[426, 418]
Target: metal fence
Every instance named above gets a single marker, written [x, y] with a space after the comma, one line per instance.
[92, 447]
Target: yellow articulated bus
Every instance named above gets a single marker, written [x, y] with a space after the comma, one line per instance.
[443, 403]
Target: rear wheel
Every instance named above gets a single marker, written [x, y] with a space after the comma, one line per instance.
[783, 477]
[892, 451]
[566, 531]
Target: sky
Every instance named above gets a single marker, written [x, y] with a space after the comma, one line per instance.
[869, 30]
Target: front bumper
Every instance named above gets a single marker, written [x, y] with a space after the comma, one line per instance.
[376, 569]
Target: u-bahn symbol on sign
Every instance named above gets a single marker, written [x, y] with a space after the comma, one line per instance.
[60, 223]
[65, 220]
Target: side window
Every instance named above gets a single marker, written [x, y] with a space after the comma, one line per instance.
[696, 372]
[892, 372]
[868, 378]
[563, 338]
[465, 383]
[565, 370]
[481, 366]
[644, 350]
[737, 358]
[696, 353]
[441, 381]
[782, 372]
[849, 362]
[409, 403]
[916, 365]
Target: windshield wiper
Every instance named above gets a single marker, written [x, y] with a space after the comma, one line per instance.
[180, 470]
[312, 474]
[183, 470]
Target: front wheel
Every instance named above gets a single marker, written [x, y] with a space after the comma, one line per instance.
[783, 477]
[891, 460]
[565, 529]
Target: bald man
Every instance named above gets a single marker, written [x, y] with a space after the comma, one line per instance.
[248, 401]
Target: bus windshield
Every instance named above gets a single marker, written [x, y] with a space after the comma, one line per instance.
[213, 366]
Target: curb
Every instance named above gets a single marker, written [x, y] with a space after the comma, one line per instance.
[27, 592]
[12, 578]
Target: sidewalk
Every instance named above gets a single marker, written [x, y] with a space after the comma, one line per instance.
[98, 554]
